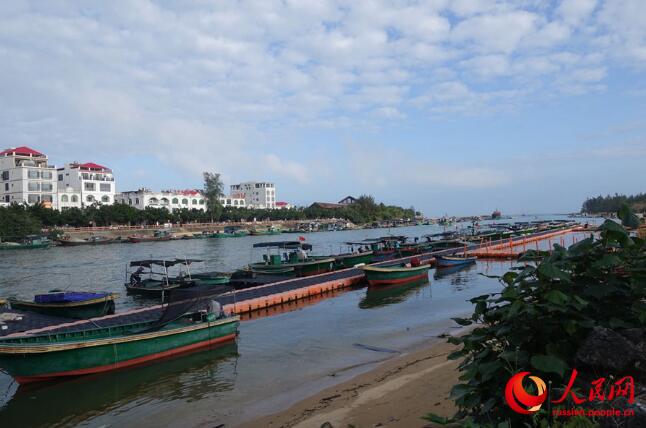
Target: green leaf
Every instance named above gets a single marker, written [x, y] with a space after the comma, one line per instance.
[549, 364]
[432, 417]
[608, 261]
[462, 321]
[549, 270]
[557, 297]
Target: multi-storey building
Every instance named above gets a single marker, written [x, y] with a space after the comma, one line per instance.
[233, 201]
[86, 184]
[26, 177]
[170, 199]
[256, 194]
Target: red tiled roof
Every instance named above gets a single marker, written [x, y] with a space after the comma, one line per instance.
[25, 151]
[92, 165]
[281, 204]
[189, 192]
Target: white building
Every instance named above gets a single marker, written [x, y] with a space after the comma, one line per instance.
[170, 199]
[26, 177]
[233, 201]
[86, 183]
[256, 194]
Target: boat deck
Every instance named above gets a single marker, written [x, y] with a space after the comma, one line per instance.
[245, 300]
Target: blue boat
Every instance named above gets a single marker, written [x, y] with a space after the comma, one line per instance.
[450, 261]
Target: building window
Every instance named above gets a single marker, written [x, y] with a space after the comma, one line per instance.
[32, 199]
[185, 201]
[90, 198]
[153, 201]
[194, 201]
[47, 175]
[5, 175]
[64, 198]
[175, 201]
[6, 198]
[105, 187]
[201, 201]
[129, 201]
[136, 201]
[164, 201]
[75, 198]
[6, 187]
[47, 198]
[60, 177]
[105, 199]
[90, 187]
[32, 173]
[46, 187]
[33, 187]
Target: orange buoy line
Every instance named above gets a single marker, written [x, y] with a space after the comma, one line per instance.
[512, 249]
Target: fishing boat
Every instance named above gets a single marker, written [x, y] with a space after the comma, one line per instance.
[200, 277]
[396, 273]
[268, 231]
[413, 248]
[296, 259]
[230, 232]
[28, 243]
[92, 240]
[148, 281]
[69, 304]
[351, 258]
[449, 261]
[159, 235]
[107, 343]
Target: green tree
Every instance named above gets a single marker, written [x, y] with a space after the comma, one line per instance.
[213, 191]
[16, 222]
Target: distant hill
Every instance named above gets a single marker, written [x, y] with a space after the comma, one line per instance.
[611, 203]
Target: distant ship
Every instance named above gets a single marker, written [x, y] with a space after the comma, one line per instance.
[496, 214]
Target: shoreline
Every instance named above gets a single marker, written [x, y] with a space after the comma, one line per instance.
[398, 392]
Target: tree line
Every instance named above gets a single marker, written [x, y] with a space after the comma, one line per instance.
[17, 221]
[612, 203]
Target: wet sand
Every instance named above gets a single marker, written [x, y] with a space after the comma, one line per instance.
[397, 393]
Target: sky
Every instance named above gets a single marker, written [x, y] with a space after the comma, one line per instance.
[451, 106]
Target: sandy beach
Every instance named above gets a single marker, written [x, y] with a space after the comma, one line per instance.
[396, 394]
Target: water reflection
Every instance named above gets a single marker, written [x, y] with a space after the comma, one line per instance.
[190, 377]
[390, 294]
[458, 276]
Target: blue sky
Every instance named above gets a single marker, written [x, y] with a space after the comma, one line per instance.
[454, 107]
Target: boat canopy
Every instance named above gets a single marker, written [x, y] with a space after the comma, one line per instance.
[283, 244]
[153, 262]
[160, 262]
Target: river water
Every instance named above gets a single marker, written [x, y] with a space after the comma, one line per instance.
[278, 359]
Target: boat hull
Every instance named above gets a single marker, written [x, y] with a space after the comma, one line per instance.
[77, 310]
[380, 276]
[25, 246]
[351, 260]
[442, 261]
[41, 362]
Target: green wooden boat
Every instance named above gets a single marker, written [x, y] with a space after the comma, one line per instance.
[230, 232]
[47, 356]
[394, 274]
[349, 260]
[263, 232]
[91, 305]
[296, 259]
[28, 243]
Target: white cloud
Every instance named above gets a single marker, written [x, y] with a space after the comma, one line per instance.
[148, 77]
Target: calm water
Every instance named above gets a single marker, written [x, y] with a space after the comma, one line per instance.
[278, 359]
